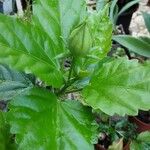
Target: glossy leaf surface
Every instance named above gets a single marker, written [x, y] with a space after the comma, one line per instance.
[57, 18]
[120, 87]
[26, 48]
[101, 28]
[40, 121]
[139, 45]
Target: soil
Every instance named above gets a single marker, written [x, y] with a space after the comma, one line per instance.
[144, 116]
[106, 142]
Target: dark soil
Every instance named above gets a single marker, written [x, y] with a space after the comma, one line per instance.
[105, 141]
[144, 116]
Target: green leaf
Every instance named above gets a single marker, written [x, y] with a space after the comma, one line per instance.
[120, 87]
[41, 121]
[112, 10]
[142, 142]
[6, 143]
[147, 20]
[144, 136]
[57, 18]
[12, 83]
[26, 48]
[127, 6]
[38, 44]
[100, 4]
[138, 45]
[145, 39]
[101, 28]
[135, 146]
[116, 145]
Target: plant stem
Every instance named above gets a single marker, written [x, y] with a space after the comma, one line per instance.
[73, 91]
[68, 83]
[66, 86]
[71, 68]
[69, 80]
[127, 53]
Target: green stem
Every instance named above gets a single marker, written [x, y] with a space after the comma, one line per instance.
[69, 81]
[73, 91]
[66, 86]
[70, 71]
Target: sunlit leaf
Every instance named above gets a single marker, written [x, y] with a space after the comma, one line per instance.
[41, 121]
[120, 87]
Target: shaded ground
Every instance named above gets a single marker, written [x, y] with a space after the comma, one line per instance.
[137, 26]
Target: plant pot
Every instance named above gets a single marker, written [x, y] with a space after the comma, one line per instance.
[141, 126]
[127, 146]
[148, 3]
[125, 18]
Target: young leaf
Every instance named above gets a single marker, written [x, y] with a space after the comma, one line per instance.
[12, 83]
[57, 18]
[101, 28]
[120, 87]
[99, 23]
[26, 48]
[138, 45]
[41, 121]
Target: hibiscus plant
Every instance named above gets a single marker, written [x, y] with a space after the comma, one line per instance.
[36, 82]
